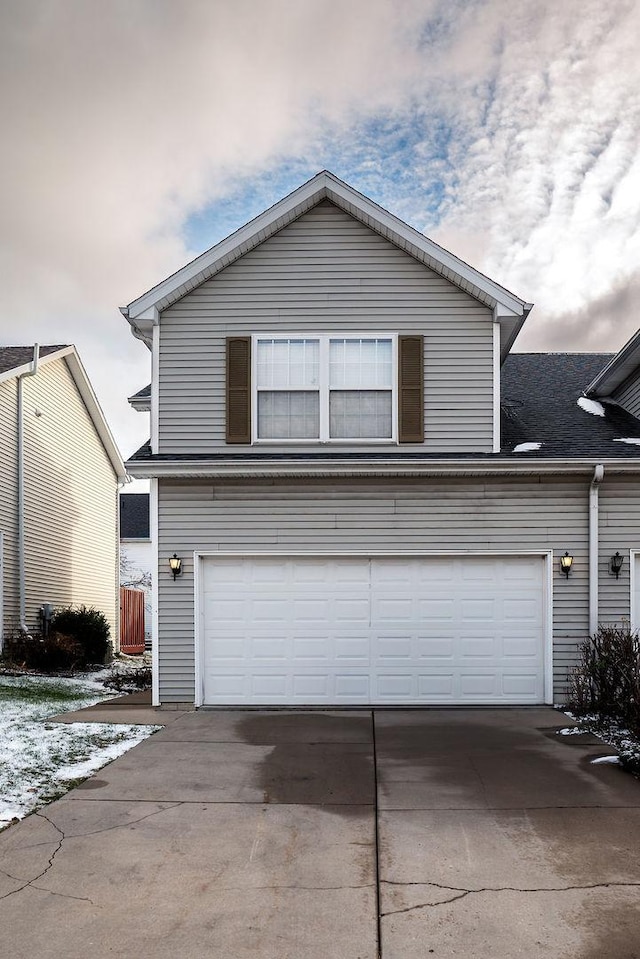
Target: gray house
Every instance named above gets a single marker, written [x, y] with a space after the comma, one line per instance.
[372, 500]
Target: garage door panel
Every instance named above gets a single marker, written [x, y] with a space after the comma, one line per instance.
[372, 630]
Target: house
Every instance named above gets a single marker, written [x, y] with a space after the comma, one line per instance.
[135, 549]
[371, 499]
[59, 474]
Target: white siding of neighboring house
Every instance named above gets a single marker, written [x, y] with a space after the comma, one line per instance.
[489, 515]
[327, 273]
[9, 501]
[70, 500]
[136, 562]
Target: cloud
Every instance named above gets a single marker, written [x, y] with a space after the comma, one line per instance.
[507, 129]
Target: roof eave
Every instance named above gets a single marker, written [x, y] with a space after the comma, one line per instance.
[618, 369]
[451, 467]
[94, 409]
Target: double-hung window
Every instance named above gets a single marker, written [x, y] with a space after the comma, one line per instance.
[325, 388]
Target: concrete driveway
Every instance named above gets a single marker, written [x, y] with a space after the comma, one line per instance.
[395, 833]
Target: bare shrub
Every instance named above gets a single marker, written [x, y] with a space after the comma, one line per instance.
[606, 681]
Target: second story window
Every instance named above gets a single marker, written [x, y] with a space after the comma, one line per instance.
[324, 388]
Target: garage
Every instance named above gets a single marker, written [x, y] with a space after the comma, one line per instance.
[384, 630]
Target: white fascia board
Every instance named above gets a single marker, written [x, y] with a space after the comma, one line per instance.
[323, 186]
[42, 361]
[622, 365]
[494, 467]
[94, 409]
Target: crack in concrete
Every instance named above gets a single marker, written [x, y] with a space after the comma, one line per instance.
[46, 869]
[463, 893]
[32, 882]
[123, 825]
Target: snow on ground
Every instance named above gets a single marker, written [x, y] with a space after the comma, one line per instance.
[606, 761]
[591, 406]
[39, 760]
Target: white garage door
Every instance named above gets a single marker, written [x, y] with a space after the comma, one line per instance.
[386, 631]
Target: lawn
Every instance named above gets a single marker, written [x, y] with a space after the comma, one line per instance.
[40, 760]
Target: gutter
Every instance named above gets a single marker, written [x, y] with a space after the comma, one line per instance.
[598, 476]
[21, 534]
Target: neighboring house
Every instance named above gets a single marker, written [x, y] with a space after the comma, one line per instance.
[369, 495]
[59, 475]
[135, 549]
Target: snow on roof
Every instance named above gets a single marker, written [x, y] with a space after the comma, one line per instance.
[632, 440]
[526, 447]
[591, 406]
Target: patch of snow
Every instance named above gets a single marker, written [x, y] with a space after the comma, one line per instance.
[571, 731]
[40, 760]
[591, 406]
[526, 447]
[632, 440]
[606, 760]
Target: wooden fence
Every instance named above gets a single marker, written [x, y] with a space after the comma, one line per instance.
[131, 621]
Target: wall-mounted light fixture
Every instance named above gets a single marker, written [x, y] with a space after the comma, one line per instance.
[566, 562]
[616, 563]
[175, 565]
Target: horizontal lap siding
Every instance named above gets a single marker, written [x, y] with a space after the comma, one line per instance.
[9, 502]
[70, 500]
[619, 532]
[327, 273]
[628, 395]
[377, 515]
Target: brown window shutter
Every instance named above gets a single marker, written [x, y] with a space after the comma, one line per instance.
[238, 389]
[411, 389]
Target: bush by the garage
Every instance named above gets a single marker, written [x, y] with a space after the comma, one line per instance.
[88, 628]
[606, 682]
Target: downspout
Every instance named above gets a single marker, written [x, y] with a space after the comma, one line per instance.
[21, 537]
[598, 475]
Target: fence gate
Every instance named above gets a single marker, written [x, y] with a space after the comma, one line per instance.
[131, 621]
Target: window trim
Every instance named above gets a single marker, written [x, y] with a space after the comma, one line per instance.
[323, 389]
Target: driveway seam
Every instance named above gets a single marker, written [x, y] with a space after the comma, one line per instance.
[377, 837]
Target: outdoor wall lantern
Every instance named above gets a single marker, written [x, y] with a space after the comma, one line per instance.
[175, 565]
[566, 563]
[616, 563]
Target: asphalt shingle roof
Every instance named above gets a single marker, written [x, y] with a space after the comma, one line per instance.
[540, 393]
[141, 394]
[12, 357]
[134, 516]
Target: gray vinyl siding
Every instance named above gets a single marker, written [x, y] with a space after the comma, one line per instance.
[70, 501]
[438, 515]
[619, 531]
[628, 394]
[327, 273]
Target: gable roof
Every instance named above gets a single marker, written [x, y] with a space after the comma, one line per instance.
[134, 516]
[15, 360]
[620, 366]
[510, 311]
[540, 394]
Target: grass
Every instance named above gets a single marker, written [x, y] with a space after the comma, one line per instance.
[41, 760]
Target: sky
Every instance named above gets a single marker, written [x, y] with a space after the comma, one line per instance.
[138, 133]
